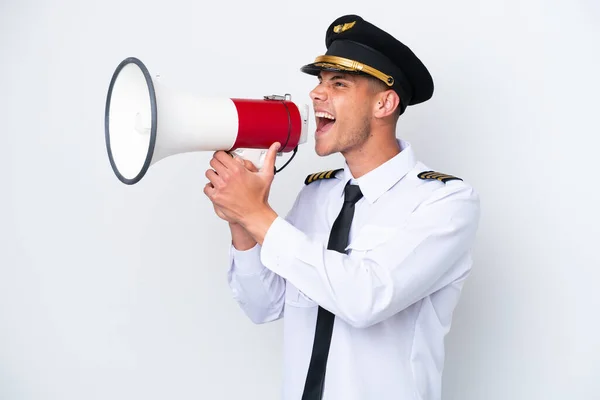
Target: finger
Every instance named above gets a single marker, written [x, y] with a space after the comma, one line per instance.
[226, 159]
[209, 190]
[215, 180]
[269, 164]
[218, 167]
[249, 165]
[238, 159]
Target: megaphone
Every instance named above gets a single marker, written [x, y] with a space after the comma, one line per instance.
[146, 121]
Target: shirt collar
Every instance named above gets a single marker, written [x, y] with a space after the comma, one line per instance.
[378, 181]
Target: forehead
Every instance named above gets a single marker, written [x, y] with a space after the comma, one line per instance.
[332, 75]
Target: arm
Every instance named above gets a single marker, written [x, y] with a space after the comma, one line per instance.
[419, 259]
[258, 291]
[240, 238]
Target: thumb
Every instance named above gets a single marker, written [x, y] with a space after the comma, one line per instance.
[269, 164]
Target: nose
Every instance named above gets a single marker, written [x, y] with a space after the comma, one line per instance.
[318, 93]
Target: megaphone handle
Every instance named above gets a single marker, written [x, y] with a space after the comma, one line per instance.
[256, 156]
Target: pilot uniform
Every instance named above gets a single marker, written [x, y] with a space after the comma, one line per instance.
[392, 289]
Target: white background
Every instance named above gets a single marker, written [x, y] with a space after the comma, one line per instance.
[117, 292]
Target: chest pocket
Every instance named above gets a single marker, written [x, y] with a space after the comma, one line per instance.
[370, 237]
[295, 298]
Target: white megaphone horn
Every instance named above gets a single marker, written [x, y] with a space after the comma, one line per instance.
[146, 122]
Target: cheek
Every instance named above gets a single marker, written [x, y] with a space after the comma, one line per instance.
[349, 110]
[358, 105]
[345, 110]
[354, 114]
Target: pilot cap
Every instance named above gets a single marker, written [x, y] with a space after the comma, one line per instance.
[357, 46]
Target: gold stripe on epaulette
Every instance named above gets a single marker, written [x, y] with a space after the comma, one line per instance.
[310, 178]
[321, 175]
[437, 175]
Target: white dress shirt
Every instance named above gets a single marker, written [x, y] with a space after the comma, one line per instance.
[393, 294]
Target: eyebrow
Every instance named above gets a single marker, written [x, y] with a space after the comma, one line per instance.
[340, 75]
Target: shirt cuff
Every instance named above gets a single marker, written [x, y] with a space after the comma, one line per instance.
[280, 246]
[246, 262]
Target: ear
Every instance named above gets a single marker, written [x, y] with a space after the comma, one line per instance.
[387, 103]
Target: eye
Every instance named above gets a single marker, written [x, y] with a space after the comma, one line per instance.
[339, 84]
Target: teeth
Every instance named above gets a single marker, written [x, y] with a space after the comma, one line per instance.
[322, 114]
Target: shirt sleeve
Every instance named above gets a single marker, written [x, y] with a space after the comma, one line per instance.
[429, 252]
[260, 292]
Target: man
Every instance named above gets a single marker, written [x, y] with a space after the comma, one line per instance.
[367, 267]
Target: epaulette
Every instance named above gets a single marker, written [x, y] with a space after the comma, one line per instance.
[437, 175]
[322, 175]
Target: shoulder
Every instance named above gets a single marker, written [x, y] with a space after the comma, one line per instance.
[435, 175]
[317, 185]
[321, 175]
[313, 194]
[444, 188]
[424, 176]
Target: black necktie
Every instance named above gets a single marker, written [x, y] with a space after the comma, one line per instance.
[338, 240]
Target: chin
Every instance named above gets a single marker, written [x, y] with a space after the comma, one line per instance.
[322, 150]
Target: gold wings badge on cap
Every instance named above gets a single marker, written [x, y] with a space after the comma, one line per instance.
[321, 175]
[437, 175]
[343, 27]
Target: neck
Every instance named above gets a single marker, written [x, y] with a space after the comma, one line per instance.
[375, 151]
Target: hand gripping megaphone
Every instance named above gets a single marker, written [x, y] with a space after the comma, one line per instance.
[146, 121]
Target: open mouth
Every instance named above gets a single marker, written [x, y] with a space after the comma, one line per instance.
[324, 121]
